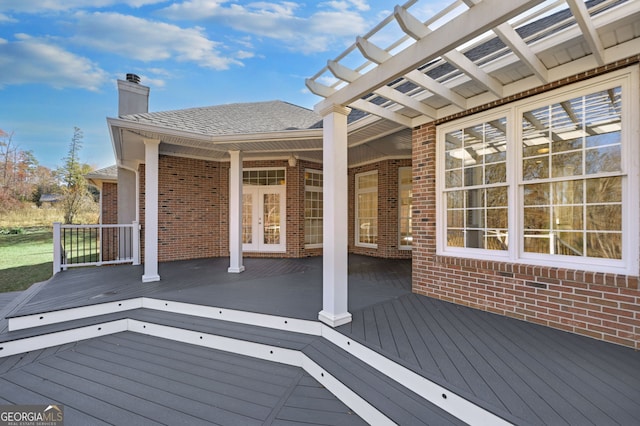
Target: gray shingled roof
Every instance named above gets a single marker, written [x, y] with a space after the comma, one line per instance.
[107, 173]
[239, 118]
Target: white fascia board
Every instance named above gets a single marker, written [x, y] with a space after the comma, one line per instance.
[477, 20]
[221, 139]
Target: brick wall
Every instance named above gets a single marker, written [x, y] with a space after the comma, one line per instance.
[194, 207]
[602, 306]
[388, 210]
[190, 220]
[109, 194]
[109, 216]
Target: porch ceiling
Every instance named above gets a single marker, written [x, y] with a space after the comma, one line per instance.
[473, 52]
[369, 140]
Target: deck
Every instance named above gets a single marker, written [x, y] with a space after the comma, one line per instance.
[520, 372]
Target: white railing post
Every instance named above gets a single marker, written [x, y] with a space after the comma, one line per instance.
[135, 242]
[101, 247]
[57, 252]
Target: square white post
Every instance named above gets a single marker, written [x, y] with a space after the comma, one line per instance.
[235, 213]
[135, 242]
[151, 153]
[57, 248]
[335, 227]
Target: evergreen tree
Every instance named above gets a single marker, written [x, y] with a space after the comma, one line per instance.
[75, 189]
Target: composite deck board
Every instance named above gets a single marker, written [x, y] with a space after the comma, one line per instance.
[196, 355]
[124, 383]
[287, 287]
[6, 298]
[227, 383]
[523, 372]
[112, 390]
[576, 398]
[19, 395]
[167, 382]
[606, 398]
[396, 402]
[51, 391]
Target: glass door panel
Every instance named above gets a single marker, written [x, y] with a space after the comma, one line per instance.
[271, 218]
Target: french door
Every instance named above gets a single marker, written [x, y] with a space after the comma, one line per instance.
[263, 218]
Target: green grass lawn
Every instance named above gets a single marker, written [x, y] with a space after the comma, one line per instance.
[25, 259]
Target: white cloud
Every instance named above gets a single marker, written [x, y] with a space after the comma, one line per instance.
[31, 60]
[39, 6]
[147, 40]
[6, 18]
[334, 21]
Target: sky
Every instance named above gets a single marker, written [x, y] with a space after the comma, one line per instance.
[60, 59]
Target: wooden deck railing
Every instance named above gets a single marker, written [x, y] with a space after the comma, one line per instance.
[95, 245]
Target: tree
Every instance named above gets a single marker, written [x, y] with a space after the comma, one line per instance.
[16, 172]
[75, 189]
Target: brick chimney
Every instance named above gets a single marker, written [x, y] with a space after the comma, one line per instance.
[133, 98]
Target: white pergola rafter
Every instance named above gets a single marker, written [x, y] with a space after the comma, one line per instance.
[416, 29]
[463, 28]
[585, 23]
[436, 94]
[510, 37]
[379, 55]
[348, 75]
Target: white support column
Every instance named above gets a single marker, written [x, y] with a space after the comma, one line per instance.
[335, 227]
[151, 149]
[57, 248]
[235, 213]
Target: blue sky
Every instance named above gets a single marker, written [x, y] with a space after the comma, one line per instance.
[60, 59]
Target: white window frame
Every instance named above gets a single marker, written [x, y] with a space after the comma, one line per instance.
[359, 191]
[317, 189]
[400, 218]
[629, 81]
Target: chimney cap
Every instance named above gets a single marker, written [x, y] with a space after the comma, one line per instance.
[133, 78]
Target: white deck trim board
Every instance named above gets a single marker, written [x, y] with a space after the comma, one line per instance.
[313, 328]
[29, 344]
[64, 315]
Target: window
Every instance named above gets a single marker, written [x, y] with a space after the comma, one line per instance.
[475, 186]
[367, 209]
[546, 181]
[572, 176]
[404, 177]
[313, 208]
[261, 177]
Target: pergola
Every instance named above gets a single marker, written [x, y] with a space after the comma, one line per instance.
[472, 53]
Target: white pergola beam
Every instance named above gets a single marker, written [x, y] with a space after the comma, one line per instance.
[342, 72]
[379, 55]
[517, 45]
[379, 111]
[580, 12]
[349, 75]
[409, 102]
[416, 29]
[319, 89]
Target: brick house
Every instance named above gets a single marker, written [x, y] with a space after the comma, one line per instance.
[496, 144]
